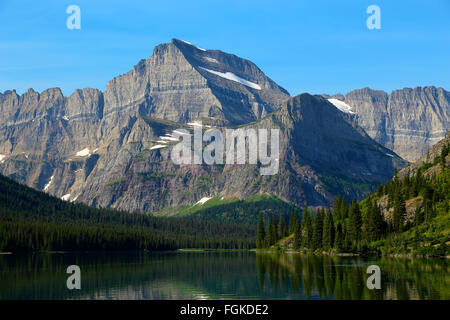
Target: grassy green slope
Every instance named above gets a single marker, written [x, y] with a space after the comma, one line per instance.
[233, 210]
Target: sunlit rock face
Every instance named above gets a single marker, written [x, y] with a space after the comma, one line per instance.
[407, 121]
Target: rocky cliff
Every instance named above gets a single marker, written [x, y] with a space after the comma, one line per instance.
[407, 121]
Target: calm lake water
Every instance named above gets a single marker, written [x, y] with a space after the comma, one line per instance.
[219, 275]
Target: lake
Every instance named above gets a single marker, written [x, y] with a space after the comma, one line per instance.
[219, 275]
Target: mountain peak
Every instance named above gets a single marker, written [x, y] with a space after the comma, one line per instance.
[187, 43]
[215, 85]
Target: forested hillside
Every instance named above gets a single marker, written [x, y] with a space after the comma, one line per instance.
[408, 215]
[31, 220]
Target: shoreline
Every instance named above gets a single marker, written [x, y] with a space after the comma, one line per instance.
[348, 254]
[288, 251]
[125, 251]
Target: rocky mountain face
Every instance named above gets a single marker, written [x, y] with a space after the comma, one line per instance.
[181, 82]
[407, 121]
[112, 148]
[322, 153]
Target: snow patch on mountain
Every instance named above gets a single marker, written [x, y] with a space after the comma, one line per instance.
[84, 153]
[48, 183]
[158, 146]
[201, 49]
[341, 105]
[203, 200]
[195, 124]
[211, 60]
[231, 76]
[168, 137]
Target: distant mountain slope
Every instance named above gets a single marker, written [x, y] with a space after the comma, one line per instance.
[407, 121]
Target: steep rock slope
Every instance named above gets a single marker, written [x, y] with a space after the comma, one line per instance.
[407, 121]
[181, 82]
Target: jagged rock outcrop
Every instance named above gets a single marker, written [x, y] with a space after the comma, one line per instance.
[407, 121]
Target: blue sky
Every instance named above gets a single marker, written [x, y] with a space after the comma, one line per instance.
[305, 46]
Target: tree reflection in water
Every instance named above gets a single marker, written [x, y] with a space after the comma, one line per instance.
[337, 277]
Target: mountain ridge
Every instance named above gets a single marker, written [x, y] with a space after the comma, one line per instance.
[408, 121]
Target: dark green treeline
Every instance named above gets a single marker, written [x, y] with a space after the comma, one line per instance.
[34, 221]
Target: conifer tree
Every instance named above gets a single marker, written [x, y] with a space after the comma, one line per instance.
[337, 207]
[261, 233]
[399, 212]
[318, 230]
[293, 221]
[339, 241]
[272, 234]
[276, 236]
[297, 237]
[328, 231]
[343, 210]
[282, 229]
[306, 228]
[380, 190]
[374, 222]
[355, 223]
